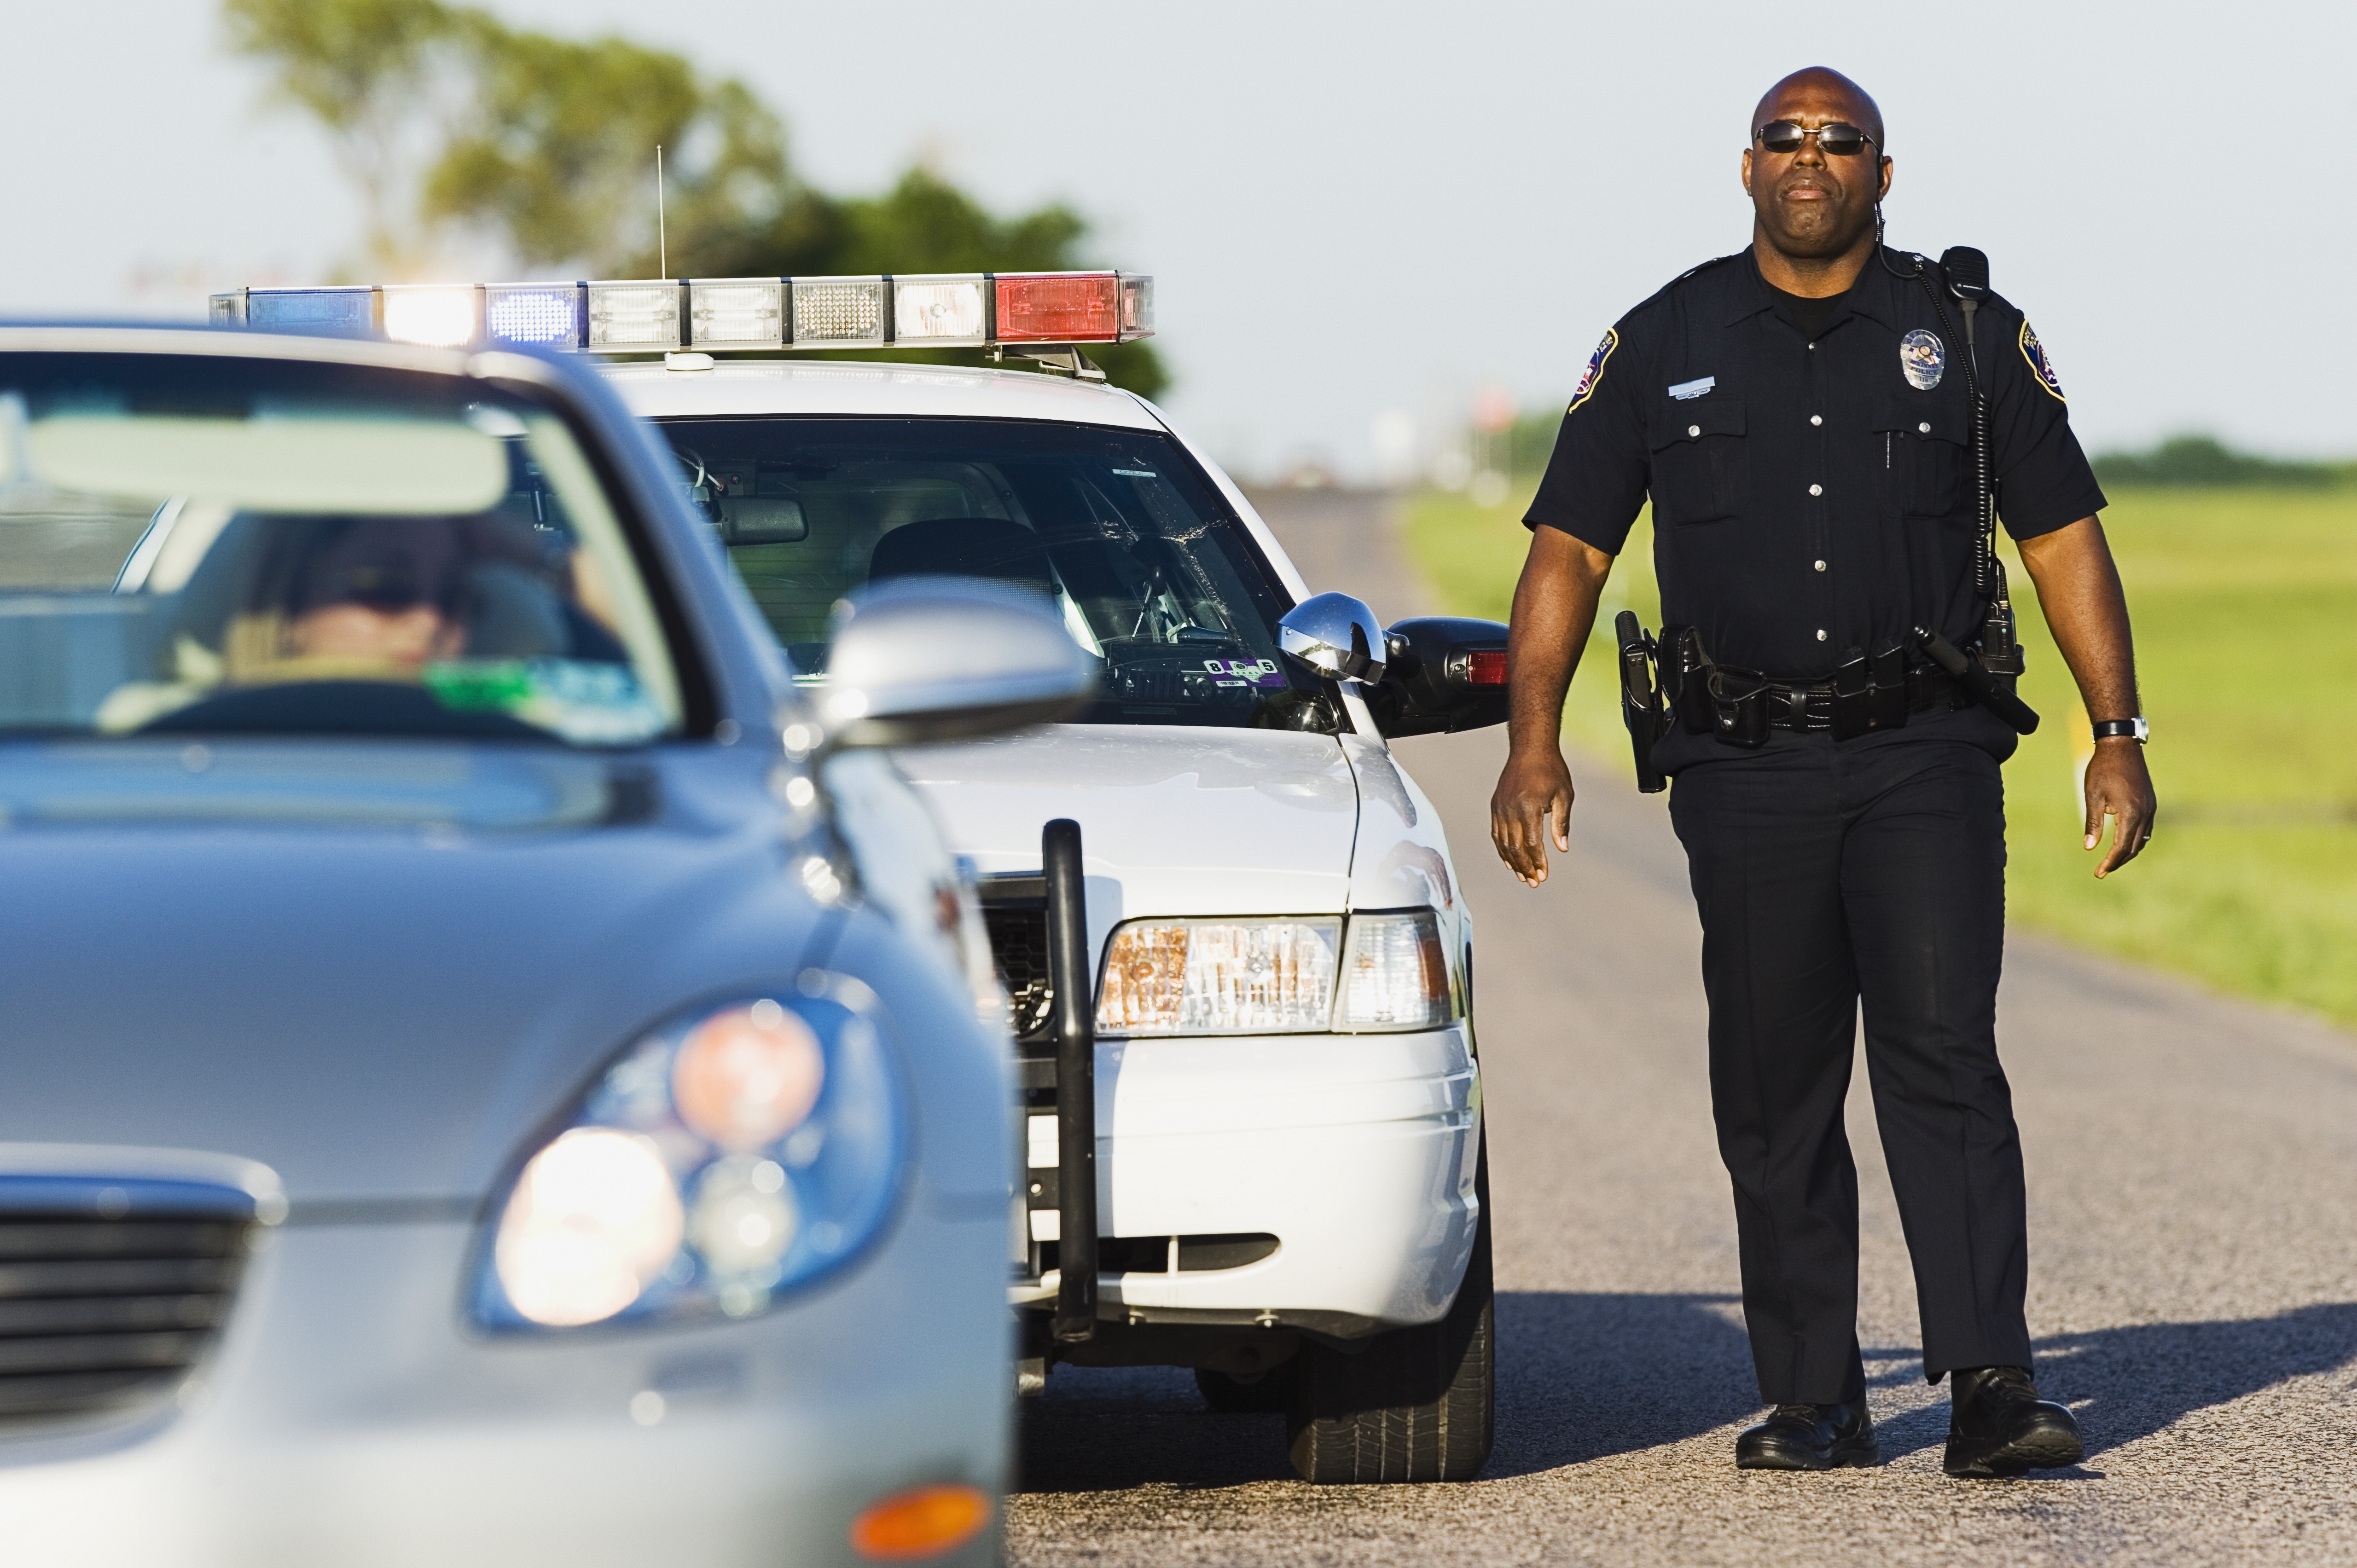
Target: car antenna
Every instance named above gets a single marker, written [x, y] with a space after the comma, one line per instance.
[662, 246]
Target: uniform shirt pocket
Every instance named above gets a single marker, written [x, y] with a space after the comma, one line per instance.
[1701, 464]
[1927, 450]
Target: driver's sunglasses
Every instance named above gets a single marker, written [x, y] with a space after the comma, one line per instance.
[1835, 139]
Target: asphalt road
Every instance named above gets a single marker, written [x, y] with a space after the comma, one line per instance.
[2194, 1210]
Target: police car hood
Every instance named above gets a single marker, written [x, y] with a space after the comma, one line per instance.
[379, 983]
[1173, 819]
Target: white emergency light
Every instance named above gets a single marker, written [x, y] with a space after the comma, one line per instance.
[645, 315]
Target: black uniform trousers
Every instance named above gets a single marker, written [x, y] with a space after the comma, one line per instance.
[1829, 875]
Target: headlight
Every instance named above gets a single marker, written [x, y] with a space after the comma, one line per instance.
[1280, 976]
[721, 1160]
[1219, 977]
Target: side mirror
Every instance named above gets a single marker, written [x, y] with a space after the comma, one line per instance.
[1335, 635]
[1447, 673]
[917, 660]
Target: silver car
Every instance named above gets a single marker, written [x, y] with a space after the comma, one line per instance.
[489, 1071]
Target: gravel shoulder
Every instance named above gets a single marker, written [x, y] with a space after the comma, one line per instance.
[2193, 1178]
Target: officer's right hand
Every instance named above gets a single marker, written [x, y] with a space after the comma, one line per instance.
[1534, 786]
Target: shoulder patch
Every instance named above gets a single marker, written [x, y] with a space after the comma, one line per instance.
[1595, 372]
[2035, 352]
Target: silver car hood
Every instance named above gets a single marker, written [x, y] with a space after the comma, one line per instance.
[379, 994]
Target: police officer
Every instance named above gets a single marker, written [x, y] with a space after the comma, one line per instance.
[1800, 415]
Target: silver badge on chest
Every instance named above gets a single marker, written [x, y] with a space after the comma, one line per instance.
[1924, 358]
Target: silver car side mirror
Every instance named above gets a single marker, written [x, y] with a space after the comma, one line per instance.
[1335, 635]
[917, 660]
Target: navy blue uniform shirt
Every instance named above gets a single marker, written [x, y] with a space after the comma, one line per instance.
[1813, 496]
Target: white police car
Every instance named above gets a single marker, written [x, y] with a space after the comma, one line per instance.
[1284, 1130]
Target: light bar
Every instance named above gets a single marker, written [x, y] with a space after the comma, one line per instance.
[737, 312]
[842, 312]
[1059, 307]
[640, 316]
[318, 312]
[433, 315]
[943, 311]
[554, 314]
[651, 316]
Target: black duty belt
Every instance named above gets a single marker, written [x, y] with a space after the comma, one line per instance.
[1813, 707]
[1741, 706]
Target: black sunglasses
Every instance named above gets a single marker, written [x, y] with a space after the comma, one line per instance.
[1835, 140]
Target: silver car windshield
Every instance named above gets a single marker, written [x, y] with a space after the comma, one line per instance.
[205, 544]
[1118, 529]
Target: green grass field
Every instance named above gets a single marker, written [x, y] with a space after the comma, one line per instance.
[2245, 611]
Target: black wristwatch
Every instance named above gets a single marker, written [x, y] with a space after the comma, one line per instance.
[2135, 729]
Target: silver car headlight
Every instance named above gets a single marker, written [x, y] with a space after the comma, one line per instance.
[719, 1163]
[1382, 970]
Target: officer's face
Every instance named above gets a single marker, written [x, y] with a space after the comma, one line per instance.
[1810, 205]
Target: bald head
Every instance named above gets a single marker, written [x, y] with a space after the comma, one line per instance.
[1817, 94]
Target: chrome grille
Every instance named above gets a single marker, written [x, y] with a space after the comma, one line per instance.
[109, 1291]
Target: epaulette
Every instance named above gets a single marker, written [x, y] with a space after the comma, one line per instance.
[1692, 273]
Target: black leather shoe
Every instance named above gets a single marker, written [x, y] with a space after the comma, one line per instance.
[1998, 1426]
[1810, 1437]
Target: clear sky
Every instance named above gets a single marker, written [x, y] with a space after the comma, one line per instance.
[1371, 207]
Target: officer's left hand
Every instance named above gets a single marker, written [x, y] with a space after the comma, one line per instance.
[2119, 786]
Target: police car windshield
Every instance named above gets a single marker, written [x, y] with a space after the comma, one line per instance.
[203, 544]
[1116, 529]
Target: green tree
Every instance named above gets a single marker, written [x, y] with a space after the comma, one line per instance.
[359, 68]
[546, 145]
[2205, 460]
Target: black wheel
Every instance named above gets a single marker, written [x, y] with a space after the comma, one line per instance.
[1417, 1405]
[1272, 1390]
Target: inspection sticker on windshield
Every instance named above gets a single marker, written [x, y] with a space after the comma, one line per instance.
[1244, 673]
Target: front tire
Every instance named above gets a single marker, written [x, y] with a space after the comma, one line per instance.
[1417, 1405]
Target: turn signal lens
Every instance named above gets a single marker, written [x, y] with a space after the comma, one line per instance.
[748, 1076]
[1219, 977]
[923, 1521]
[1394, 975]
[594, 1218]
[1487, 668]
[1137, 306]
